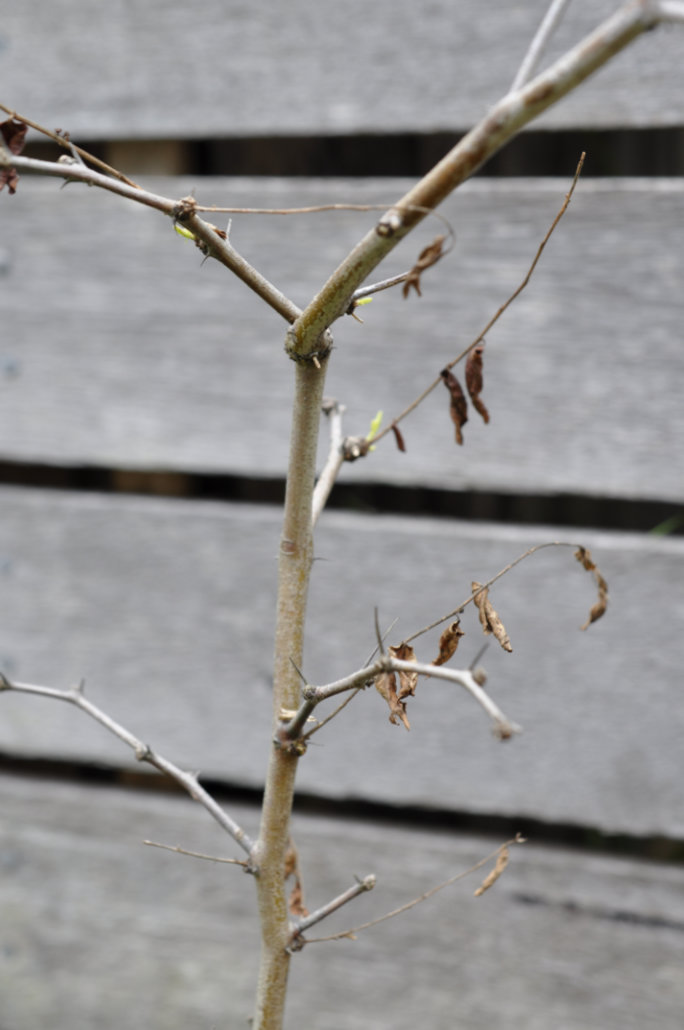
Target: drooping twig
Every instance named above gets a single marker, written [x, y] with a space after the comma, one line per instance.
[495, 318]
[351, 933]
[143, 753]
[483, 586]
[536, 48]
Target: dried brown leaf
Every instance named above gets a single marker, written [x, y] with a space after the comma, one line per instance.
[491, 878]
[474, 380]
[13, 134]
[583, 556]
[430, 255]
[458, 407]
[489, 617]
[407, 680]
[295, 903]
[448, 642]
[398, 437]
[386, 684]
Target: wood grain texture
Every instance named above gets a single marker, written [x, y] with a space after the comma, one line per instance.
[97, 927]
[166, 609]
[120, 349]
[165, 70]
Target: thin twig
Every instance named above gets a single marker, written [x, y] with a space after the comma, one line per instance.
[64, 141]
[484, 586]
[536, 48]
[196, 854]
[189, 781]
[518, 839]
[495, 318]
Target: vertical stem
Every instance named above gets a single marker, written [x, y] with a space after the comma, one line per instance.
[294, 567]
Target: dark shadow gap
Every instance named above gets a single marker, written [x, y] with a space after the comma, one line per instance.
[610, 152]
[627, 515]
[566, 835]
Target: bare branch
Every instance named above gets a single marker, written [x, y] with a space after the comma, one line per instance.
[143, 753]
[350, 934]
[196, 854]
[536, 48]
[360, 887]
[182, 211]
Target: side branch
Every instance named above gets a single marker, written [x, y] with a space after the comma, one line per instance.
[506, 118]
[183, 211]
[143, 753]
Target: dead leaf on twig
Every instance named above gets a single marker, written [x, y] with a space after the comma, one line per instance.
[398, 437]
[407, 680]
[448, 642]
[474, 379]
[489, 618]
[458, 407]
[583, 556]
[490, 880]
[430, 255]
[13, 133]
[386, 685]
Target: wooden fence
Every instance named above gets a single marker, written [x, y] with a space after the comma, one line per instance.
[127, 363]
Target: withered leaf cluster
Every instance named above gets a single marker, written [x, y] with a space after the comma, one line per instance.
[430, 255]
[489, 617]
[386, 685]
[13, 135]
[458, 404]
[583, 556]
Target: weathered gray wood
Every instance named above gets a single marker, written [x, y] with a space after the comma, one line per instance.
[96, 927]
[215, 69]
[166, 609]
[119, 349]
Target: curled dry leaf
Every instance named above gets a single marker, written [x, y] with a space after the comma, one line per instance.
[458, 407]
[448, 642]
[490, 880]
[474, 380]
[13, 135]
[489, 618]
[296, 901]
[398, 437]
[407, 680]
[430, 255]
[583, 556]
[386, 684]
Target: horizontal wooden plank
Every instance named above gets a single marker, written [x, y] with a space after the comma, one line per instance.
[120, 349]
[96, 926]
[166, 609]
[216, 69]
